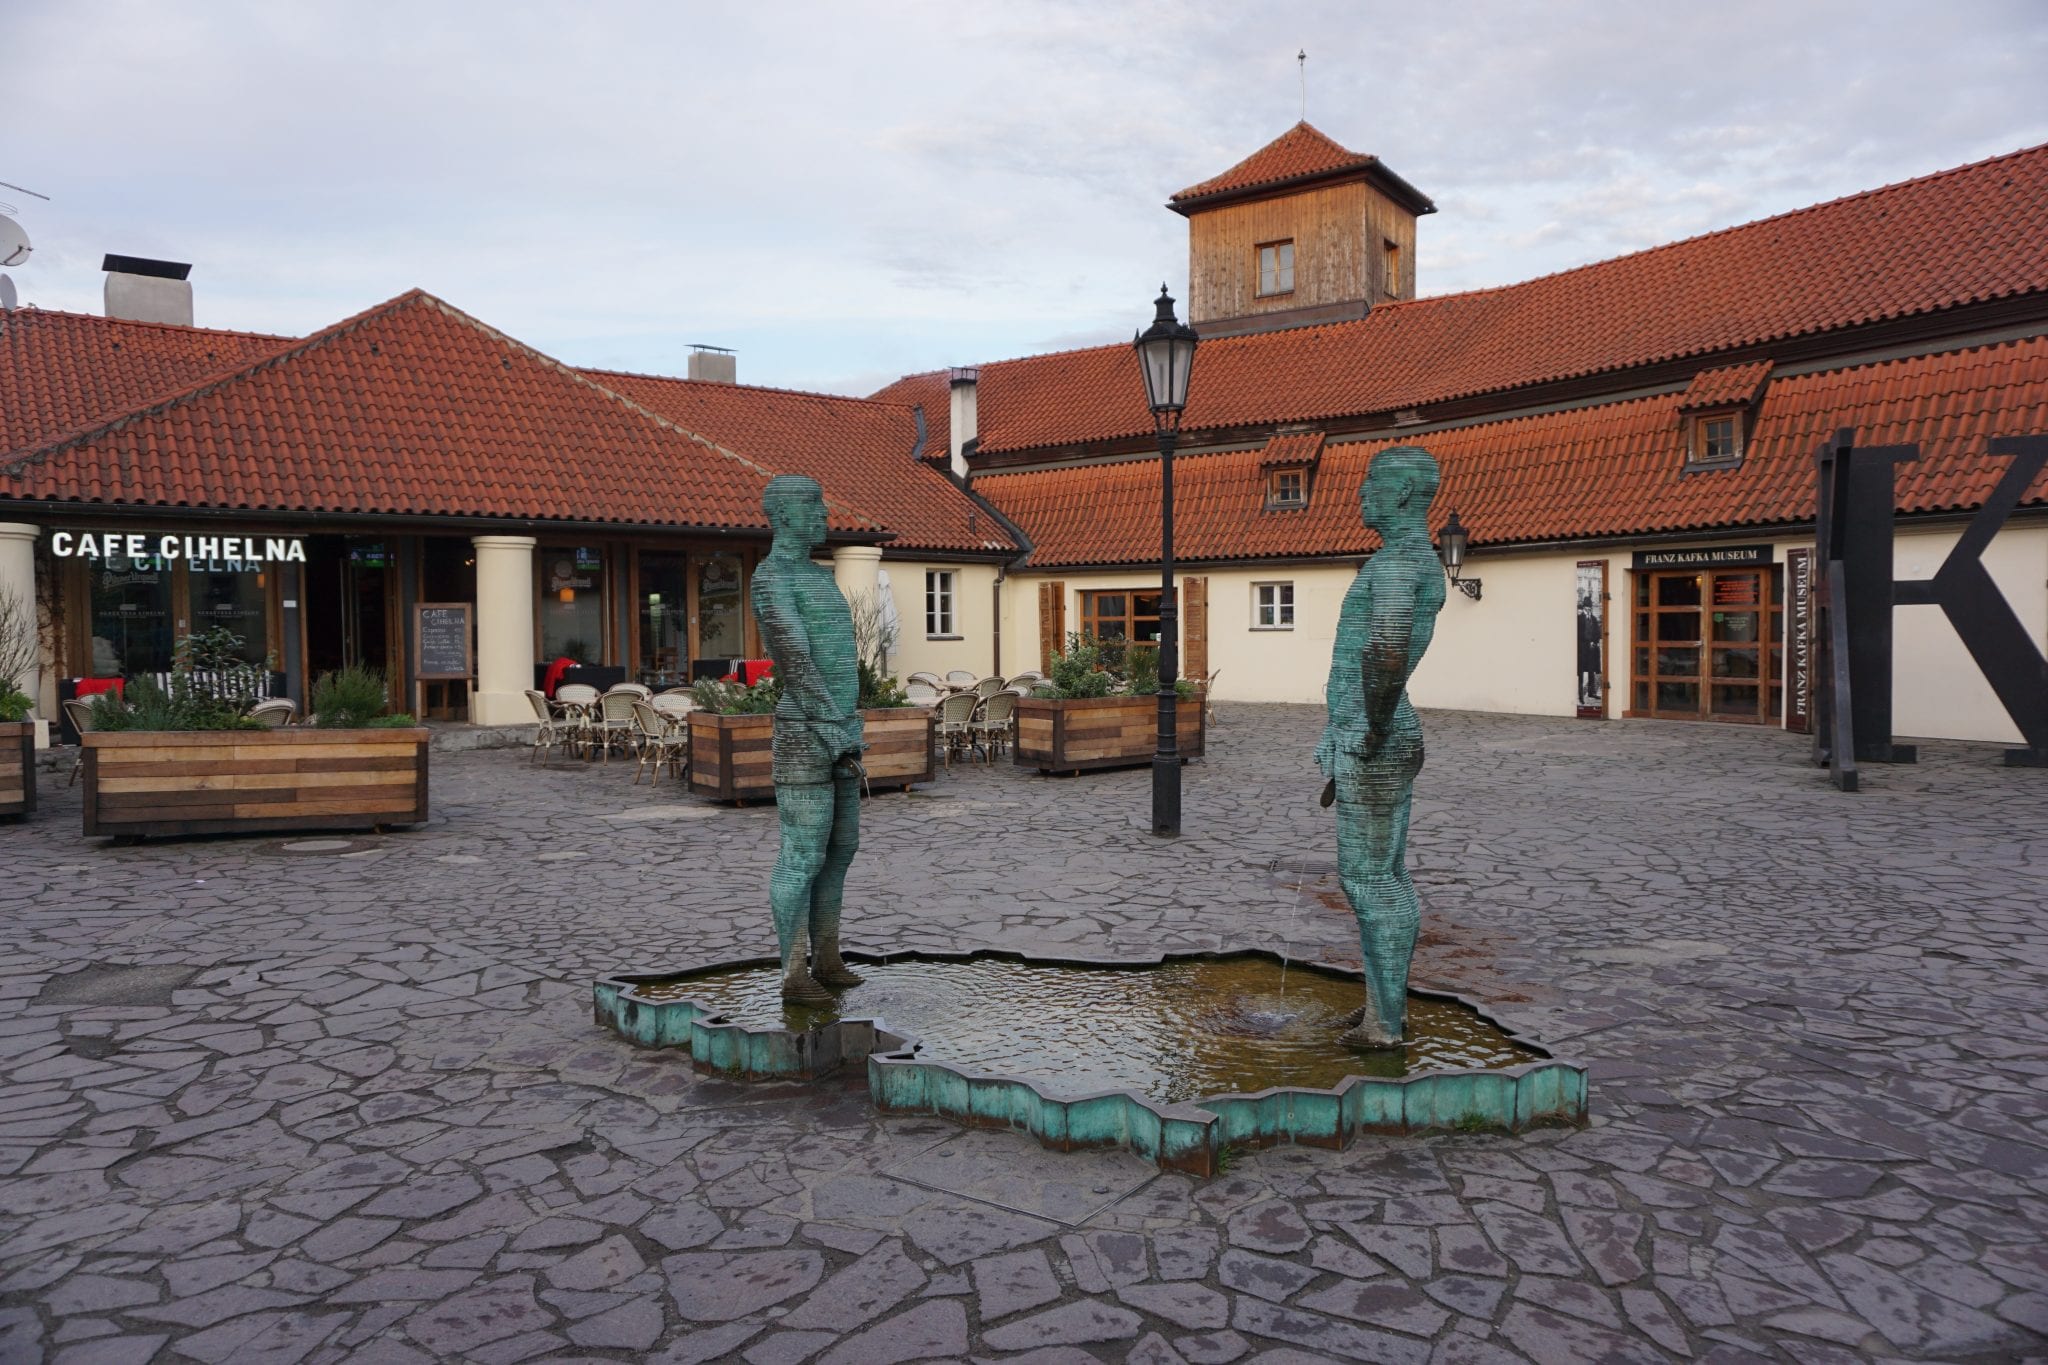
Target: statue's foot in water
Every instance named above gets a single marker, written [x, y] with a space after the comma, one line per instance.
[799, 988]
[832, 971]
[1365, 1032]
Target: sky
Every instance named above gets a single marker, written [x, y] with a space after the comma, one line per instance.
[849, 192]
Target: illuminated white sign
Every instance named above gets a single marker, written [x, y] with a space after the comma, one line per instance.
[250, 552]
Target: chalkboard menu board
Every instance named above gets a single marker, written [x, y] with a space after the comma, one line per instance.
[440, 640]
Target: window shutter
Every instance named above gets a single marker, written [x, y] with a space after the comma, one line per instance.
[1052, 621]
[1194, 628]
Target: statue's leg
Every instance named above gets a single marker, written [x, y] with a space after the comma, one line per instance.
[829, 891]
[1372, 860]
[805, 812]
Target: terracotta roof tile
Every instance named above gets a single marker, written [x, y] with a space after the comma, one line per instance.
[1959, 237]
[1294, 447]
[1303, 150]
[60, 372]
[412, 407]
[1613, 470]
[859, 449]
[1725, 386]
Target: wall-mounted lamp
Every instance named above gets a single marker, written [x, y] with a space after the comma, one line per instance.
[1450, 548]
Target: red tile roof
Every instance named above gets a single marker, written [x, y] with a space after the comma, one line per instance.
[63, 371]
[1726, 386]
[932, 389]
[411, 408]
[1302, 153]
[1613, 470]
[1960, 237]
[1295, 447]
[859, 449]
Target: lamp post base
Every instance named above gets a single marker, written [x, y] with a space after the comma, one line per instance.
[1166, 795]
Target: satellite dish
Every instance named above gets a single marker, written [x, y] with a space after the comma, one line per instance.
[8, 298]
[14, 247]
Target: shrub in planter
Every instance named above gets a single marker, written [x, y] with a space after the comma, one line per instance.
[353, 698]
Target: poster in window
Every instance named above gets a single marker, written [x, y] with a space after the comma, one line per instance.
[1591, 592]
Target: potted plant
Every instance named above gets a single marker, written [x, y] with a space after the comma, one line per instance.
[732, 736]
[188, 759]
[19, 654]
[1100, 709]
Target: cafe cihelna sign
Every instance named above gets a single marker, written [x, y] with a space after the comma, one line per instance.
[248, 551]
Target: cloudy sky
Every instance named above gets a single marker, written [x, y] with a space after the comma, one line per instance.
[848, 192]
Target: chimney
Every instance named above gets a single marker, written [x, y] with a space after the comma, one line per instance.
[142, 290]
[963, 424]
[714, 364]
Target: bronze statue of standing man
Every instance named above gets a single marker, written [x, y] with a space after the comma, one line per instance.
[1372, 747]
[808, 630]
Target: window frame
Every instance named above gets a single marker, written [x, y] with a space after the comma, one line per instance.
[1280, 588]
[1696, 440]
[1280, 272]
[941, 604]
[1128, 620]
[1275, 502]
[1390, 262]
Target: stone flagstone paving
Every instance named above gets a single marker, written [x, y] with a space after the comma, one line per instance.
[341, 1099]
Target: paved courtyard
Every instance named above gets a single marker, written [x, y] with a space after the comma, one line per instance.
[344, 1101]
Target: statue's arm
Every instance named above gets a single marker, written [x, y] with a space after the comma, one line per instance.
[789, 643]
[1385, 662]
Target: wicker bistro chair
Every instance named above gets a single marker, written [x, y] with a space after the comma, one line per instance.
[922, 693]
[640, 690]
[275, 711]
[961, 677]
[987, 687]
[660, 743]
[80, 712]
[578, 703]
[615, 725]
[674, 706]
[933, 680]
[955, 730]
[551, 730]
[1025, 681]
[993, 723]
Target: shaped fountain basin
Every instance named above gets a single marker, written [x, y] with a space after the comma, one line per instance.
[1177, 1058]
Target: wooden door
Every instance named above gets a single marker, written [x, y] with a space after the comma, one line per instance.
[1052, 621]
[1707, 645]
[1194, 629]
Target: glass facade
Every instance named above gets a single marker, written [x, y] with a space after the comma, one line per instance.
[572, 603]
[721, 607]
[664, 619]
[134, 623]
[232, 599]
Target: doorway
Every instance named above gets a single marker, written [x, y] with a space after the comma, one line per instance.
[1708, 645]
[351, 602]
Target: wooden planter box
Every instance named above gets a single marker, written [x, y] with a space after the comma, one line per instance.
[145, 782]
[18, 768]
[731, 757]
[1099, 732]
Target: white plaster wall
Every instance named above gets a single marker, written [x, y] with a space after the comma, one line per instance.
[1516, 648]
[1937, 692]
[974, 620]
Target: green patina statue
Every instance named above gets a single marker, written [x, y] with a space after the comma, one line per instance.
[808, 630]
[1372, 747]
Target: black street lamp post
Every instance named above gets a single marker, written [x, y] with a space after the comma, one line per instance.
[1166, 355]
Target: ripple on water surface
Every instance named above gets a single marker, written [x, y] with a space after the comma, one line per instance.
[1172, 1033]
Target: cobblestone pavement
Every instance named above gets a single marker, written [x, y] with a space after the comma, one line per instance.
[269, 1100]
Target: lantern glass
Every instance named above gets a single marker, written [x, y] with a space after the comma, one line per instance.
[1450, 545]
[1166, 356]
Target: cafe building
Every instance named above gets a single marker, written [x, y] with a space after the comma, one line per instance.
[412, 491]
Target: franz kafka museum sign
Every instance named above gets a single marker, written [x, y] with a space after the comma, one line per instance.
[1718, 557]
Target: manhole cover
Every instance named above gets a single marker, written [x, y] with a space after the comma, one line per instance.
[107, 985]
[319, 845]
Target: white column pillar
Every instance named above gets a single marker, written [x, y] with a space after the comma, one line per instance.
[18, 580]
[854, 568]
[504, 630]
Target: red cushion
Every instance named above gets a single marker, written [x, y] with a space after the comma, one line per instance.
[92, 687]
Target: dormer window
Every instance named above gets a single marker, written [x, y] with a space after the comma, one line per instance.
[1286, 488]
[1716, 440]
[1276, 268]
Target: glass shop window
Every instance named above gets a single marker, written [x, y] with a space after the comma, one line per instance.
[232, 598]
[572, 603]
[133, 623]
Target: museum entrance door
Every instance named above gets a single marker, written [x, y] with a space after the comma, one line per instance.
[1708, 645]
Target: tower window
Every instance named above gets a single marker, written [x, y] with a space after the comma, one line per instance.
[1390, 256]
[1276, 268]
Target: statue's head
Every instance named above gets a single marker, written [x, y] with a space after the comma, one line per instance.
[1398, 488]
[796, 507]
